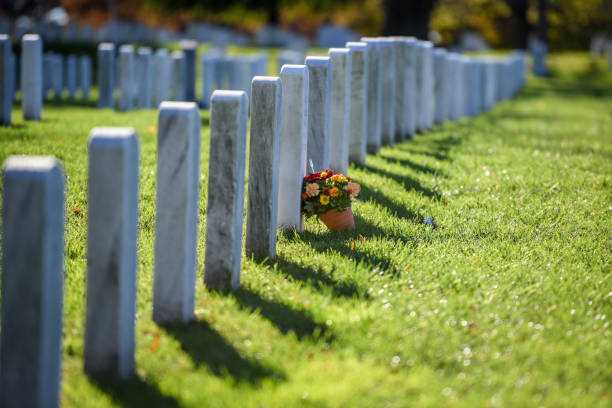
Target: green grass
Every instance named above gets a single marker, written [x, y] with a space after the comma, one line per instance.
[507, 301]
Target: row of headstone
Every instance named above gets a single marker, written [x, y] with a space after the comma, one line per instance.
[145, 79]
[69, 73]
[230, 72]
[321, 104]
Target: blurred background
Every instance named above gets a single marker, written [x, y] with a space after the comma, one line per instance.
[467, 25]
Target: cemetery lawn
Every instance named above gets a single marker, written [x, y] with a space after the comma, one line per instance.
[505, 301]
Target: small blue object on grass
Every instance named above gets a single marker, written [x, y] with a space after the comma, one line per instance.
[428, 221]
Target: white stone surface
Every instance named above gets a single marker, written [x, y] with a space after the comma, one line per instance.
[127, 77]
[428, 98]
[264, 151]
[162, 76]
[319, 98]
[358, 103]
[31, 77]
[388, 91]
[339, 109]
[225, 206]
[293, 145]
[84, 75]
[144, 78]
[190, 49]
[112, 235]
[401, 88]
[374, 92]
[441, 86]
[179, 68]
[6, 97]
[176, 213]
[106, 75]
[32, 279]
[71, 75]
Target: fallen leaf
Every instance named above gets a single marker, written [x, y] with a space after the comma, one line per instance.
[154, 344]
[352, 245]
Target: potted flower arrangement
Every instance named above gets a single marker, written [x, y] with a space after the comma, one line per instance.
[328, 196]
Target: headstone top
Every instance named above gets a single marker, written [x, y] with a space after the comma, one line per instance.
[317, 61]
[126, 48]
[223, 95]
[106, 46]
[267, 79]
[292, 69]
[36, 164]
[178, 54]
[31, 37]
[4, 37]
[338, 51]
[356, 45]
[144, 51]
[110, 135]
[188, 44]
[161, 51]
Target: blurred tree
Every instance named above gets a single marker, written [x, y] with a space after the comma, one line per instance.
[519, 22]
[408, 17]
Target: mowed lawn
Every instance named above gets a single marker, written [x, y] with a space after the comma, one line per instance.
[505, 301]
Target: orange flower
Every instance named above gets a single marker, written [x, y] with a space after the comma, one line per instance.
[334, 192]
[304, 196]
[352, 189]
[312, 189]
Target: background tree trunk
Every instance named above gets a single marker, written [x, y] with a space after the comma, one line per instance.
[520, 24]
[404, 17]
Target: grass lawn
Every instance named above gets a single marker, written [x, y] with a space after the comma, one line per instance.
[506, 301]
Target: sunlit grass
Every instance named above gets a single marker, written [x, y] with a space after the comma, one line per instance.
[506, 301]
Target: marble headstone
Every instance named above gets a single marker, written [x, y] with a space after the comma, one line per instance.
[6, 98]
[189, 48]
[31, 77]
[358, 103]
[388, 92]
[374, 92]
[340, 63]
[176, 214]
[32, 279]
[264, 151]
[144, 78]
[319, 95]
[112, 236]
[225, 206]
[106, 75]
[293, 145]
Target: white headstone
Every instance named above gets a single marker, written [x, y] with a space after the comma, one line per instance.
[225, 206]
[176, 214]
[162, 76]
[293, 145]
[319, 96]
[71, 75]
[388, 92]
[358, 103]
[106, 75]
[441, 86]
[179, 69]
[340, 59]
[32, 279]
[84, 75]
[144, 77]
[374, 93]
[6, 98]
[31, 77]
[264, 151]
[112, 236]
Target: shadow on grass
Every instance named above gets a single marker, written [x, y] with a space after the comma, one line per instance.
[439, 149]
[370, 194]
[135, 393]
[207, 347]
[70, 103]
[409, 163]
[285, 318]
[319, 279]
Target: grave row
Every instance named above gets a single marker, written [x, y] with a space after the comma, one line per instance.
[330, 110]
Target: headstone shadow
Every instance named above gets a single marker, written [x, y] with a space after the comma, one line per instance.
[319, 279]
[407, 182]
[209, 348]
[135, 393]
[370, 194]
[409, 163]
[285, 318]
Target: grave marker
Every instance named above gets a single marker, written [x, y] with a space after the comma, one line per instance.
[319, 125]
[71, 75]
[112, 236]
[374, 92]
[32, 279]
[189, 48]
[441, 86]
[225, 207]
[176, 215]
[6, 98]
[31, 77]
[106, 75]
[401, 89]
[264, 151]
[144, 78]
[293, 145]
[161, 76]
[179, 68]
[84, 77]
[340, 64]
[388, 91]
[358, 104]
[126, 77]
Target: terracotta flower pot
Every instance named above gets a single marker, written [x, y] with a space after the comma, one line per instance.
[337, 221]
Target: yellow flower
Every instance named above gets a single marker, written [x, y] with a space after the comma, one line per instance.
[324, 199]
[323, 174]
